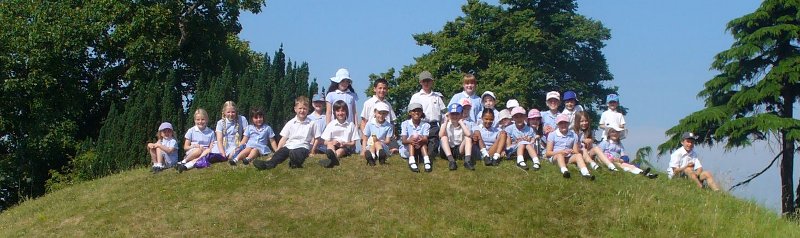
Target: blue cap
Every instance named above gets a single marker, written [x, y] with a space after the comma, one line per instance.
[570, 95]
[612, 98]
[455, 108]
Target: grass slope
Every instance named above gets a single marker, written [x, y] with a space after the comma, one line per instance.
[357, 200]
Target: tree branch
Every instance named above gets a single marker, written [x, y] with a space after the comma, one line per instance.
[753, 176]
[182, 23]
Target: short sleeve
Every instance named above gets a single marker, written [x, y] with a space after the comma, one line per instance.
[551, 137]
[269, 133]
[326, 134]
[675, 160]
[219, 125]
[403, 129]
[188, 134]
[426, 128]
[390, 132]
[368, 130]
[286, 130]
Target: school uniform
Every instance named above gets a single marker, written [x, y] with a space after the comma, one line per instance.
[433, 107]
[204, 138]
[681, 158]
[489, 135]
[258, 138]
[549, 119]
[408, 129]
[299, 135]
[319, 120]
[380, 131]
[348, 97]
[369, 109]
[477, 104]
[571, 115]
[343, 132]
[170, 158]
[232, 132]
[514, 133]
[611, 118]
[613, 150]
[562, 141]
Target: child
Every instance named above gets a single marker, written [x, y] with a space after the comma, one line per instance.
[615, 152]
[256, 136]
[456, 137]
[685, 162]
[511, 104]
[584, 131]
[379, 132]
[469, 82]
[549, 117]
[340, 136]
[535, 122]
[562, 146]
[432, 107]
[570, 103]
[341, 89]
[490, 101]
[198, 141]
[229, 130]
[380, 88]
[520, 139]
[413, 134]
[505, 119]
[164, 150]
[490, 139]
[318, 118]
[296, 138]
[611, 117]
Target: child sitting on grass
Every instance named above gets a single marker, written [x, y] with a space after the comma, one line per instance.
[414, 136]
[520, 139]
[340, 136]
[296, 138]
[165, 150]
[379, 133]
[685, 162]
[198, 140]
[256, 136]
[490, 139]
[456, 135]
[615, 152]
[562, 146]
[583, 128]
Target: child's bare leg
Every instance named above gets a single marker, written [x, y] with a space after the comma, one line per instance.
[152, 152]
[689, 172]
[244, 153]
[253, 153]
[602, 157]
[710, 180]
[159, 156]
[340, 152]
[192, 155]
[446, 147]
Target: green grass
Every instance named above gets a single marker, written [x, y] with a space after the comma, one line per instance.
[357, 200]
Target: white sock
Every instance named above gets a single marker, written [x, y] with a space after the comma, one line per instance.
[159, 165]
[426, 159]
[189, 165]
[626, 169]
[535, 160]
[611, 166]
[484, 152]
[593, 165]
[563, 169]
[520, 158]
[412, 160]
[496, 156]
[635, 171]
[374, 155]
[584, 171]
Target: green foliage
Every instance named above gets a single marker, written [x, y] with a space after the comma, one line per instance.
[519, 49]
[753, 96]
[642, 156]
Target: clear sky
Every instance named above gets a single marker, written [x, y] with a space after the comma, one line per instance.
[660, 53]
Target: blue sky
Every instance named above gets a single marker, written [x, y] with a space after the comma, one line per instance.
[660, 53]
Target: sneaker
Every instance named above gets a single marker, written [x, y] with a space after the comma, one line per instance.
[537, 166]
[487, 161]
[453, 166]
[382, 157]
[588, 176]
[413, 168]
[370, 159]
[246, 161]
[262, 165]
[565, 174]
[469, 165]
[232, 162]
[428, 167]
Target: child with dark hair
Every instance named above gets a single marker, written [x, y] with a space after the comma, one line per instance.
[340, 136]
[256, 136]
[489, 138]
[414, 135]
[341, 89]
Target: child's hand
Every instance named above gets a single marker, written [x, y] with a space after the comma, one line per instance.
[548, 129]
[567, 151]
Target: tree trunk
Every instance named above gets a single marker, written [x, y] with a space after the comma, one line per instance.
[787, 162]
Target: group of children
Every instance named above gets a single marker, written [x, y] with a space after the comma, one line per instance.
[468, 127]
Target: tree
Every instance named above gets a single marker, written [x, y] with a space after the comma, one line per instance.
[519, 49]
[753, 96]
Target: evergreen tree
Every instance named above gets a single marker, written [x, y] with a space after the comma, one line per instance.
[754, 95]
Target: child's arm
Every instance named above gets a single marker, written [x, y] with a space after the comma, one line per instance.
[273, 144]
[282, 142]
[219, 142]
[328, 112]
[467, 131]
[314, 146]
[549, 150]
[187, 145]
[167, 149]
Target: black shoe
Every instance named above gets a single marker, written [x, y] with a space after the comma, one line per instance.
[536, 166]
[565, 174]
[415, 170]
[333, 161]
[521, 166]
[487, 161]
[652, 176]
[382, 156]
[232, 162]
[295, 165]
[495, 162]
[428, 168]
[153, 169]
[262, 165]
[469, 165]
[181, 168]
[453, 166]
[246, 161]
[589, 177]
[370, 159]
[645, 172]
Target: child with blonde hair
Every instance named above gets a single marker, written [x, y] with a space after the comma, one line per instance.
[198, 141]
[296, 138]
[583, 128]
[229, 131]
[165, 150]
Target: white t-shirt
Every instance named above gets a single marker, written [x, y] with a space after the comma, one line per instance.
[455, 135]
[611, 118]
[299, 134]
[681, 158]
[571, 115]
[342, 132]
[432, 105]
[369, 109]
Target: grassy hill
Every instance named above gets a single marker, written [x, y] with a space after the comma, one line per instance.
[357, 200]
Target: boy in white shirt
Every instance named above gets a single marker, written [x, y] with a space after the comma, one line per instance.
[684, 162]
[432, 107]
[611, 117]
[340, 136]
[456, 137]
[296, 138]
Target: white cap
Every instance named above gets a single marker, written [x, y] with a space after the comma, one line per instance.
[622, 131]
[505, 114]
[340, 75]
[490, 93]
[553, 94]
[512, 103]
[381, 107]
